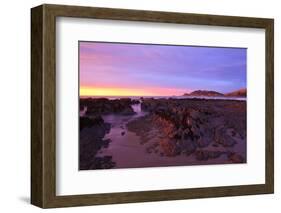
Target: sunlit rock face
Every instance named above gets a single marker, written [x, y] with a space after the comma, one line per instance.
[191, 127]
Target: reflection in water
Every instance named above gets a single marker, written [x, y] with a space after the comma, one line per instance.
[125, 146]
[127, 149]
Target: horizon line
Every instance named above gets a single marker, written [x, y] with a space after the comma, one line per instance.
[224, 93]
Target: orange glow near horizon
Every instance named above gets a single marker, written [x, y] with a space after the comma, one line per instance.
[117, 91]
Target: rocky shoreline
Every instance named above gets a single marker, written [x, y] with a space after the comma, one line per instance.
[93, 130]
[178, 131]
[206, 129]
[91, 140]
[104, 106]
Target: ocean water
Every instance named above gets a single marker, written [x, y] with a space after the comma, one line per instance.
[167, 97]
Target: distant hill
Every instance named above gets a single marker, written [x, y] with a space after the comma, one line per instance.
[209, 93]
[204, 93]
[237, 93]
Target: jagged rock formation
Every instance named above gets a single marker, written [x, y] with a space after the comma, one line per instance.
[91, 140]
[206, 129]
[103, 106]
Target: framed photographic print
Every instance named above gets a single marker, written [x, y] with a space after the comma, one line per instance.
[135, 106]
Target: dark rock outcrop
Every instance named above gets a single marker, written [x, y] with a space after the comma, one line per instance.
[169, 148]
[103, 106]
[206, 155]
[235, 158]
[89, 122]
[104, 162]
[187, 125]
[91, 140]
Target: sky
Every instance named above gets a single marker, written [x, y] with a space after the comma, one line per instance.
[121, 69]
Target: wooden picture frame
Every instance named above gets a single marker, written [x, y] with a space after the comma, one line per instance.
[43, 105]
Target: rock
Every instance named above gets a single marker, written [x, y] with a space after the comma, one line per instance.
[104, 162]
[201, 155]
[85, 122]
[187, 146]
[89, 122]
[134, 101]
[214, 154]
[128, 111]
[103, 106]
[149, 150]
[184, 126]
[91, 141]
[105, 143]
[227, 141]
[224, 137]
[203, 142]
[235, 158]
[169, 148]
[204, 155]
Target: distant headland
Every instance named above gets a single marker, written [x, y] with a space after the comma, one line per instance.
[210, 93]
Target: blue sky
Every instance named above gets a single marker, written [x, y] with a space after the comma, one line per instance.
[164, 69]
